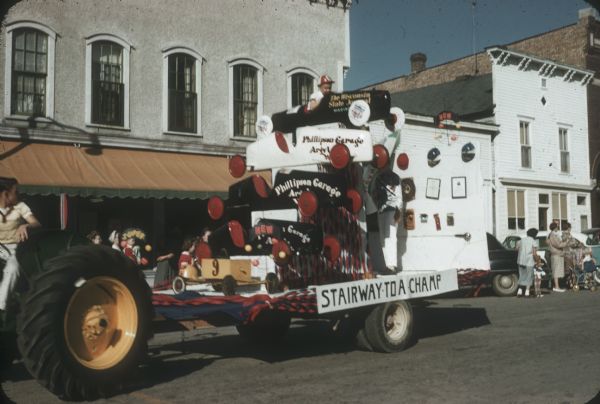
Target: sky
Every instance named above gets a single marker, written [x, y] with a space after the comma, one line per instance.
[384, 33]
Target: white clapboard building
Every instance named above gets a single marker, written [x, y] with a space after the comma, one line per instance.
[539, 159]
[541, 155]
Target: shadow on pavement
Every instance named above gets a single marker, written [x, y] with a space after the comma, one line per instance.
[306, 338]
[431, 321]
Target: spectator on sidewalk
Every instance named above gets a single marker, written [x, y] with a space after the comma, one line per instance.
[526, 261]
[115, 240]
[95, 237]
[557, 256]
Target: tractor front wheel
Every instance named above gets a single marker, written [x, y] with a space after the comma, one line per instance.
[84, 323]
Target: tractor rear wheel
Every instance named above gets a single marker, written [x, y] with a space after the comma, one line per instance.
[84, 323]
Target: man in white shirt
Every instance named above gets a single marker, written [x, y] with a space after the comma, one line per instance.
[389, 203]
[15, 220]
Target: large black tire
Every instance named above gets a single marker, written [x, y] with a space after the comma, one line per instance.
[269, 327]
[90, 293]
[505, 284]
[8, 351]
[362, 342]
[389, 327]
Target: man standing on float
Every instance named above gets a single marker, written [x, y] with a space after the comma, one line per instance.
[389, 203]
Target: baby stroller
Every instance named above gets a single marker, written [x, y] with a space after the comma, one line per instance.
[585, 275]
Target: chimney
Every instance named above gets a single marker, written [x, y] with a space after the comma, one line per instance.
[588, 12]
[417, 62]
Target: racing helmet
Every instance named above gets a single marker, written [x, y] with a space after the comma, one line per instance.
[434, 157]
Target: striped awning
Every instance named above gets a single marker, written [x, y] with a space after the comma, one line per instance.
[52, 169]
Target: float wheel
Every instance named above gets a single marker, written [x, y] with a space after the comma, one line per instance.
[389, 327]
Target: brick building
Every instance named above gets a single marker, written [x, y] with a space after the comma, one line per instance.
[576, 45]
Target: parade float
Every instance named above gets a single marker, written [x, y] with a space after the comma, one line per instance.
[303, 245]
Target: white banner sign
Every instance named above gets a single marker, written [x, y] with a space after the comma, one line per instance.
[405, 285]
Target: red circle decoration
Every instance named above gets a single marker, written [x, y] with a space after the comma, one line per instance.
[260, 186]
[355, 199]
[381, 156]
[236, 232]
[202, 251]
[281, 142]
[281, 252]
[237, 166]
[308, 203]
[402, 161]
[215, 207]
[331, 248]
[339, 156]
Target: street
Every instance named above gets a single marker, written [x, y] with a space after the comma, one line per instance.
[485, 349]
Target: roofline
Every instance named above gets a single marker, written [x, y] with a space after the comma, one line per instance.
[541, 34]
[428, 68]
[471, 55]
[503, 50]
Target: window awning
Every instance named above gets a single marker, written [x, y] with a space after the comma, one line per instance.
[51, 169]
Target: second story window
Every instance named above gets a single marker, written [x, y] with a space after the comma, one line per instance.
[107, 83]
[29, 70]
[525, 145]
[245, 100]
[563, 145]
[302, 87]
[182, 93]
[30, 60]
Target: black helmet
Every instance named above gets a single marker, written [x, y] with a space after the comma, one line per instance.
[468, 152]
[433, 157]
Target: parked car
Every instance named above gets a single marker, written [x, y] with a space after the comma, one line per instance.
[593, 242]
[503, 276]
[510, 242]
[504, 271]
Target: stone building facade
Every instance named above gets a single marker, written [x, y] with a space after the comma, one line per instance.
[84, 80]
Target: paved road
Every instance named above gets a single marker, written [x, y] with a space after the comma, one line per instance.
[475, 350]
